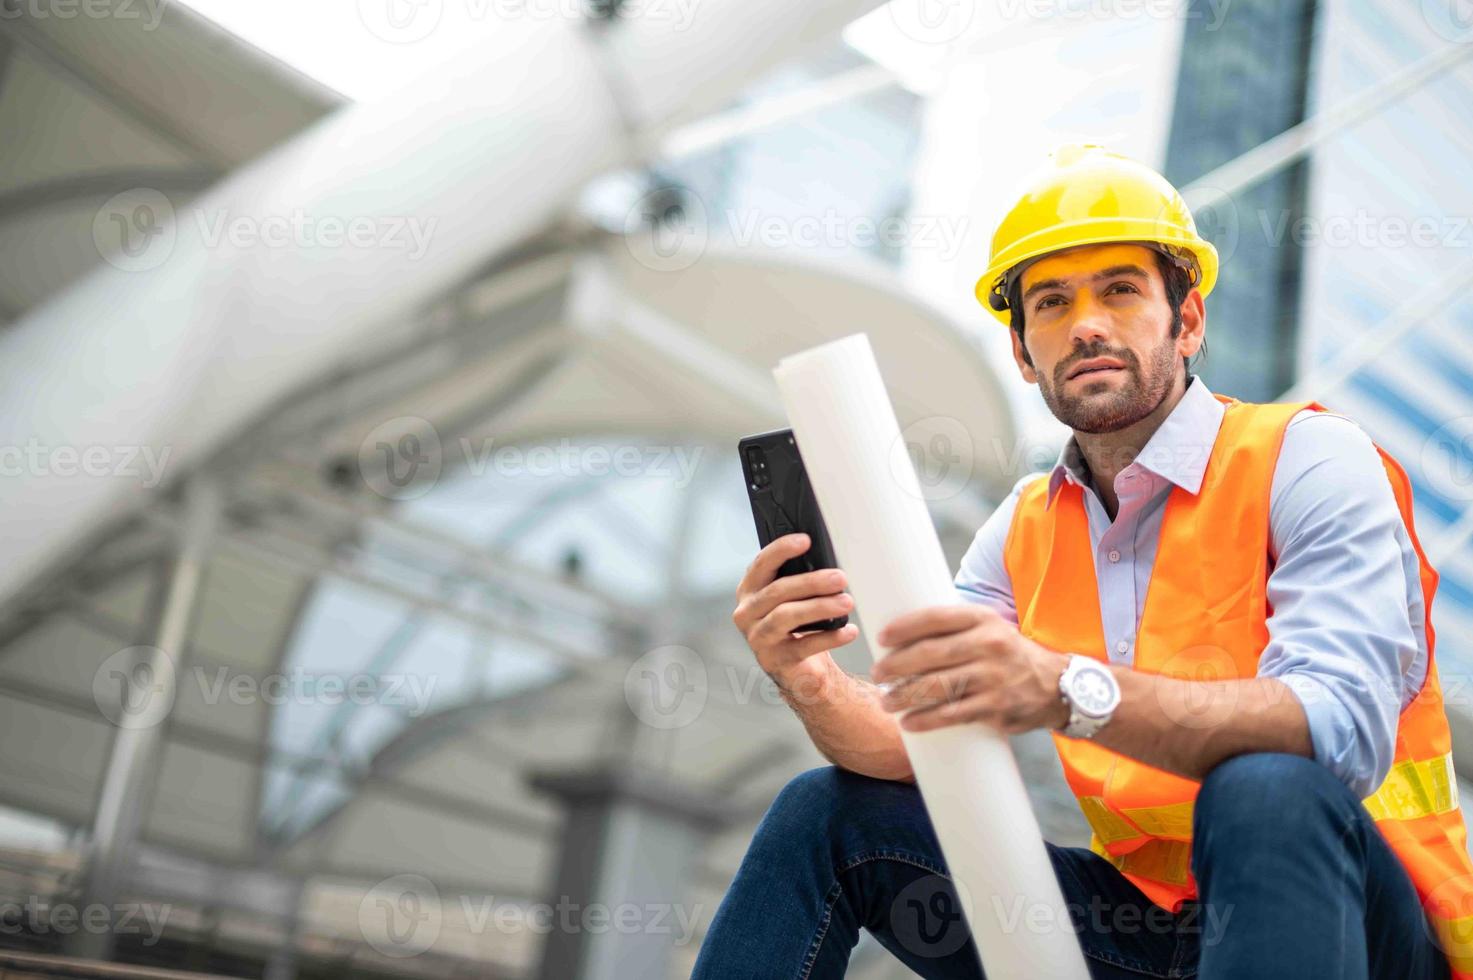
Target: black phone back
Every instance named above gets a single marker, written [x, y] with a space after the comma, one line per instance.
[783, 503]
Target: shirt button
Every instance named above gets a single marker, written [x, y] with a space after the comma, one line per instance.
[1122, 646]
[1114, 555]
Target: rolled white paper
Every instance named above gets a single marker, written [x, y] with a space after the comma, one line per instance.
[872, 503]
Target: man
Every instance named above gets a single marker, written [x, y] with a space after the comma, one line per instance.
[1219, 608]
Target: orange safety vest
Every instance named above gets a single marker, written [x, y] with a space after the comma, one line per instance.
[1205, 618]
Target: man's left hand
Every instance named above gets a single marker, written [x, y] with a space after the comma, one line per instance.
[964, 663]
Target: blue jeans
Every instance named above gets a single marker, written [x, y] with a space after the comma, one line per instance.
[1294, 880]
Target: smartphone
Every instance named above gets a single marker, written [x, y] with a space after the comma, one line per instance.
[783, 503]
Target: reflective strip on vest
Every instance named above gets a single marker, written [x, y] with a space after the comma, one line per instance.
[1415, 789]
[1107, 826]
[1159, 860]
[1172, 820]
[1411, 789]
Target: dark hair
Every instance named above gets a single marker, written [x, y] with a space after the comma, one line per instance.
[1178, 283]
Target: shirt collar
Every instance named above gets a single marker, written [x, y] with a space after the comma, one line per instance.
[1178, 450]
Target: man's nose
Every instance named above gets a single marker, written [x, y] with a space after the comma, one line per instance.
[1088, 320]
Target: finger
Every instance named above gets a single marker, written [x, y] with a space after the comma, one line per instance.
[787, 617]
[787, 588]
[923, 657]
[929, 690]
[763, 568]
[804, 585]
[810, 644]
[921, 623]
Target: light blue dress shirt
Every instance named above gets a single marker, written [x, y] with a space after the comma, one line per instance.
[1347, 629]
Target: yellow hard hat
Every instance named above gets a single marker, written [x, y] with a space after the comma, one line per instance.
[1087, 195]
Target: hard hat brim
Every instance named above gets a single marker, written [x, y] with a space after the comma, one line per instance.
[1095, 231]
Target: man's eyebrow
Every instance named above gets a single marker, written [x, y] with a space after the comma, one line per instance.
[1126, 269]
[1044, 284]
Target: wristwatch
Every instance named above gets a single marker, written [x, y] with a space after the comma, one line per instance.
[1090, 691]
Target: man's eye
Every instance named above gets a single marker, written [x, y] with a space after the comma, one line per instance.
[1046, 301]
[1126, 285]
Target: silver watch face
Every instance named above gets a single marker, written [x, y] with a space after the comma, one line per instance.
[1093, 690]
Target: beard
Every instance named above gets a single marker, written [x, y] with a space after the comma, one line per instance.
[1098, 408]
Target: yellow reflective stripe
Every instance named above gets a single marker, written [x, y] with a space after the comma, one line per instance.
[1106, 823]
[1172, 820]
[1158, 860]
[1415, 789]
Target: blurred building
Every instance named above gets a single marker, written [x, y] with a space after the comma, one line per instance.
[445, 627]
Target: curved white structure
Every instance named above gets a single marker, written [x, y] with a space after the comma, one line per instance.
[247, 295]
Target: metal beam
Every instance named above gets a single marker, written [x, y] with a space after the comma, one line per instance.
[7, 53]
[1383, 336]
[57, 191]
[1272, 155]
[278, 549]
[133, 763]
[44, 50]
[503, 571]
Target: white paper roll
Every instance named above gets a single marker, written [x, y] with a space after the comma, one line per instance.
[883, 537]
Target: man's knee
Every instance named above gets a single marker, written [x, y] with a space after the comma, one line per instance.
[828, 796]
[1268, 796]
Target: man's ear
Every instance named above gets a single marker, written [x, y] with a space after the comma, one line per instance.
[1021, 357]
[1193, 324]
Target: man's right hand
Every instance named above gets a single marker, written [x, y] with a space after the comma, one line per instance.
[769, 609]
